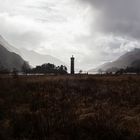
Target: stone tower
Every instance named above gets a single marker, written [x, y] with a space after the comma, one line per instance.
[72, 65]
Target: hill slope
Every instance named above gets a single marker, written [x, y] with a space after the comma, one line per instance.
[9, 47]
[37, 59]
[32, 57]
[10, 60]
[122, 62]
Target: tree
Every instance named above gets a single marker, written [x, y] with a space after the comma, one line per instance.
[3, 70]
[50, 68]
[62, 69]
[100, 71]
[80, 71]
[15, 73]
[25, 67]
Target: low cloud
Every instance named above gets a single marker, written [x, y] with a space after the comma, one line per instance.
[118, 17]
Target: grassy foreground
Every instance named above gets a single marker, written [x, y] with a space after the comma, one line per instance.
[70, 108]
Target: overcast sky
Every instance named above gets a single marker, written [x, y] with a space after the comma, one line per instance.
[94, 31]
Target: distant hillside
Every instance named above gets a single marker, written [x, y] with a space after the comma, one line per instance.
[124, 61]
[136, 64]
[9, 47]
[10, 60]
[32, 57]
[37, 59]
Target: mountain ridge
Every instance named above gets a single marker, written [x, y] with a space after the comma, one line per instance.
[10, 60]
[38, 59]
[122, 62]
[32, 57]
[8, 46]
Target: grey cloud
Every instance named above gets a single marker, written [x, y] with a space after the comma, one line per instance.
[29, 39]
[20, 36]
[118, 17]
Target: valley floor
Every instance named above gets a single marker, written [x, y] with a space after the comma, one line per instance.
[70, 107]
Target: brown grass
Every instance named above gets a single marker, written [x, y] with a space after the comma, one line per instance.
[70, 107]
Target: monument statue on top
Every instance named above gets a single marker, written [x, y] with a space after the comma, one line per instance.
[72, 65]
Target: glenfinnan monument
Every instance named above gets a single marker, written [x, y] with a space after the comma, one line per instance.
[72, 65]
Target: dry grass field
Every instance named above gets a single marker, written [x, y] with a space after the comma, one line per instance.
[70, 107]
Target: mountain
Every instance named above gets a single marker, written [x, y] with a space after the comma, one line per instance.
[136, 63]
[124, 61]
[35, 58]
[32, 57]
[10, 60]
[9, 47]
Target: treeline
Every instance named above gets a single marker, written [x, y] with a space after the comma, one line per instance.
[127, 70]
[42, 69]
[48, 69]
[4, 71]
[7, 70]
[135, 70]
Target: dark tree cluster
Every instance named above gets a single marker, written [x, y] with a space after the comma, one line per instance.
[129, 70]
[3, 71]
[25, 68]
[43, 69]
[49, 69]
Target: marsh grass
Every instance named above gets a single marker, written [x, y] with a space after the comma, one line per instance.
[70, 108]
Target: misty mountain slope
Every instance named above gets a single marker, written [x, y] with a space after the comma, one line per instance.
[136, 63]
[122, 62]
[10, 60]
[9, 47]
[38, 59]
[32, 57]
